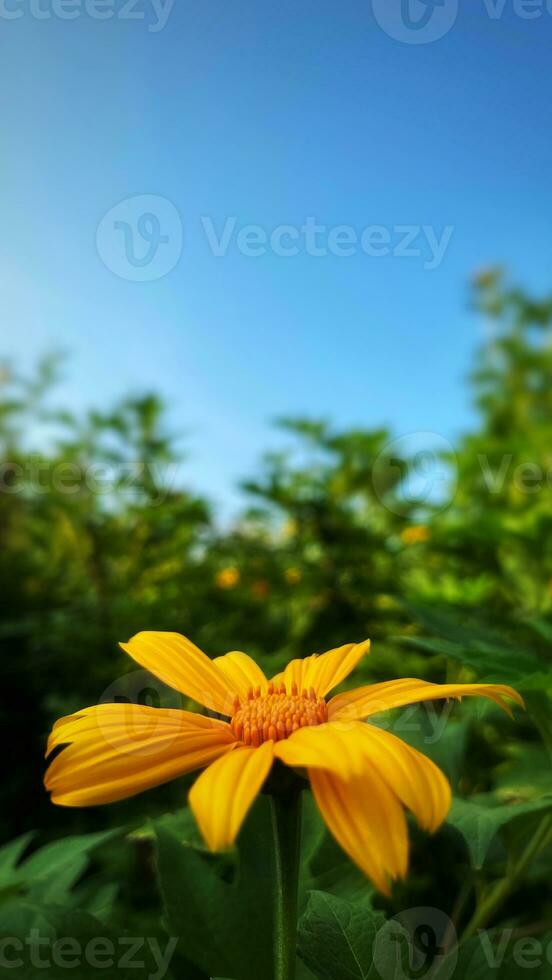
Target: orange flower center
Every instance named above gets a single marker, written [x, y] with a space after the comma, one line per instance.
[276, 714]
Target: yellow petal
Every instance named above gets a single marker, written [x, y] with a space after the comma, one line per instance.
[335, 747]
[367, 820]
[325, 671]
[334, 666]
[344, 748]
[241, 673]
[416, 780]
[223, 794]
[183, 666]
[118, 750]
[295, 672]
[370, 700]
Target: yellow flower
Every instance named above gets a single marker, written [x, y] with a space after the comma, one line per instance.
[415, 534]
[227, 578]
[362, 777]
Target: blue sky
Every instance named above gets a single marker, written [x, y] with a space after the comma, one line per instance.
[268, 114]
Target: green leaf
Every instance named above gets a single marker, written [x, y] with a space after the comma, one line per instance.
[50, 872]
[542, 627]
[98, 899]
[19, 918]
[479, 824]
[537, 692]
[526, 774]
[313, 830]
[194, 898]
[221, 907]
[10, 873]
[11, 852]
[465, 638]
[336, 938]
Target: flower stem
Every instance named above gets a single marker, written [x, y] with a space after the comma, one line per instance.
[490, 904]
[286, 826]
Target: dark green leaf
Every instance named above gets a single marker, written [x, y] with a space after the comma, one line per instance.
[336, 938]
[222, 907]
[479, 823]
[50, 872]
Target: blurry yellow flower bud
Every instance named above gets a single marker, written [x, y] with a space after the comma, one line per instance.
[415, 534]
[227, 578]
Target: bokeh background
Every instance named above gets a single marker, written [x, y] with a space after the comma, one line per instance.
[276, 452]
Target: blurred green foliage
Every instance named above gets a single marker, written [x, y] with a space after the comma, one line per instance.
[443, 558]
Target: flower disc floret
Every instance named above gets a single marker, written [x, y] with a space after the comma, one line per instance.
[277, 714]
